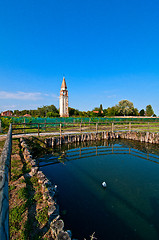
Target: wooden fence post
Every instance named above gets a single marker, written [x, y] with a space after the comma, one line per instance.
[112, 127]
[24, 125]
[96, 127]
[80, 128]
[60, 130]
[45, 125]
[129, 127]
[0, 126]
[148, 127]
[38, 130]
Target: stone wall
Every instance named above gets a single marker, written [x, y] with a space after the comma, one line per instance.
[4, 198]
[138, 136]
[49, 194]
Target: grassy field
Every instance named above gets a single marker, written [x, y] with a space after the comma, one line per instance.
[28, 211]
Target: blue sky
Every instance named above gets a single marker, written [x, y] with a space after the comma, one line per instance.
[108, 50]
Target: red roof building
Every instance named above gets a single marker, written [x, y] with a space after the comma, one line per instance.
[7, 113]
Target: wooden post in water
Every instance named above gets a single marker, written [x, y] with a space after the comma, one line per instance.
[60, 133]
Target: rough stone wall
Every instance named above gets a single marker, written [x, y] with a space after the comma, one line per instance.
[138, 136]
[49, 194]
[4, 198]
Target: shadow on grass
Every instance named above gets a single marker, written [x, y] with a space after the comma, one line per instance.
[32, 228]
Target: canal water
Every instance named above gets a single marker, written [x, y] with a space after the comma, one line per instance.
[128, 208]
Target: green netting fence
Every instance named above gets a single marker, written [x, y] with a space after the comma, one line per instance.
[78, 120]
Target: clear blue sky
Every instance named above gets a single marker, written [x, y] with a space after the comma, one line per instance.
[108, 50]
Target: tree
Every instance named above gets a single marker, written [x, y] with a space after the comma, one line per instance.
[111, 111]
[142, 112]
[125, 108]
[101, 107]
[149, 110]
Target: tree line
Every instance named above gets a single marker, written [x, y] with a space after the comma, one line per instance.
[123, 108]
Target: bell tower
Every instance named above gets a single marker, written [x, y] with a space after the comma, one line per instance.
[64, 100]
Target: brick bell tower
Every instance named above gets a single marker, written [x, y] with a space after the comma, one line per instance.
[64, 100]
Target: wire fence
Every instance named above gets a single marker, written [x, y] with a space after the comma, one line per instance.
[84, 127]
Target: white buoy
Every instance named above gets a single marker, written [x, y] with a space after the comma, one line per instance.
[104, 184]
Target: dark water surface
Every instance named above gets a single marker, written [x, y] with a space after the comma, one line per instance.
[127, 209]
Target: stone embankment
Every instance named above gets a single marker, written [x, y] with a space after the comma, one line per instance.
[49, 194]
[137, 136]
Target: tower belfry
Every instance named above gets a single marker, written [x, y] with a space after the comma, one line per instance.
[64, 100]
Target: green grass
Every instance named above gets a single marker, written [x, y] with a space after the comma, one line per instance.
[42, 215]
[23, 193]
[38, 196]
[12, 187]
[15, 218]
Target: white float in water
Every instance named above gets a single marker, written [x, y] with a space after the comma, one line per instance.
[104, 184]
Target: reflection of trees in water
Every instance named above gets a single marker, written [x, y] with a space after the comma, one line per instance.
[144, 147]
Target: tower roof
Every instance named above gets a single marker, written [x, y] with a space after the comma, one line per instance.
[63, 86]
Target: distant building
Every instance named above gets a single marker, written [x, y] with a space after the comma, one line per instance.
[98, 111]
[64, 100]
[27, 115]
[7, 113]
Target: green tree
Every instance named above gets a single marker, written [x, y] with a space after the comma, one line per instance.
[101, 107]
[142, 112]
[111, 111]
[149, 110]
[125, 108]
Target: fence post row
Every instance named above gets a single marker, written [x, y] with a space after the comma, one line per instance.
[112, 126]
[4, 196]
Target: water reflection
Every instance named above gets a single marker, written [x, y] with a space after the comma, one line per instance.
[127, 209]
[69, 152]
